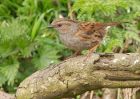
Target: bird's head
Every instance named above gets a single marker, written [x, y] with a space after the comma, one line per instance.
[65, 25]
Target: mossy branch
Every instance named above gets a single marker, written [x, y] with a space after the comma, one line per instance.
[75, 76]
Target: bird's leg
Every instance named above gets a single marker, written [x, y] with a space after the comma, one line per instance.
[93, 49]
[76, 53]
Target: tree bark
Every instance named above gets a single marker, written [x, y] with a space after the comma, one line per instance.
[4, 95]
[76, 76]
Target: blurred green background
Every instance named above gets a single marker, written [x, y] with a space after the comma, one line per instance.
[27, 45]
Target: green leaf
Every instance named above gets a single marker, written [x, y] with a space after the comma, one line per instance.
[36, 27]
[2, 79]
[9, 70]
[47, 55]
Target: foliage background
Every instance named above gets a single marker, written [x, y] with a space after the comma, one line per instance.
[27, 45]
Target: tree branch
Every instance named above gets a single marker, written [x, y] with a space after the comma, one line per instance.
[4, 95]
[75, 76]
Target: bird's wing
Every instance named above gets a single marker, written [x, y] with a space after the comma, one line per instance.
[93, 31]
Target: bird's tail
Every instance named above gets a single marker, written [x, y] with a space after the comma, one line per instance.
[107, 24]
[111, 24]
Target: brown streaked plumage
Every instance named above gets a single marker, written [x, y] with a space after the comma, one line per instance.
[81, 35]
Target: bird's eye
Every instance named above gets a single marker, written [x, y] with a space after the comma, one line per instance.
[59, 25]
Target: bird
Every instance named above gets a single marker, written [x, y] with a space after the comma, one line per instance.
[80, 35]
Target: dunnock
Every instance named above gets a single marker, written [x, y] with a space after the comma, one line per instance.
[81, 35]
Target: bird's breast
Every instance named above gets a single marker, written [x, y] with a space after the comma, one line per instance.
[73, 42]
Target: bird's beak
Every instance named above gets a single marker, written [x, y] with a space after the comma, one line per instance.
[49, 26]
